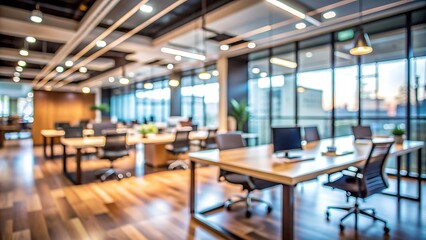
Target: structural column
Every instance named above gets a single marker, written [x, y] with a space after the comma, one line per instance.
[222, 67]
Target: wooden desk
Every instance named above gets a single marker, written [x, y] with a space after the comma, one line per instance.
[51, 134]
[155, 153]
[259, 162]
[7, 128]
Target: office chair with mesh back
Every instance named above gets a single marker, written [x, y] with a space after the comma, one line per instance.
[311, 134]
[227, 141]
[83, 123]
[179, 146]
[73, 132]
[210, 141]
[114, 149]
[368, 180]
[61, 125]
[100, 128]
[362, 132]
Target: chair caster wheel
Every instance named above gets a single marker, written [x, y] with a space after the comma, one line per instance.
[103, 179]
[228, 206]
[128, 174]
[327, 216]
[269, 209]
[386, 229]
[342, 228]
[248, 214]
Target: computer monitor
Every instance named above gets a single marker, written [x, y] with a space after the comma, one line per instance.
[286, 139]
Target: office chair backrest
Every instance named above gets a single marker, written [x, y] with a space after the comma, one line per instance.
[181, 139]
[99, 128]
[230, 140]
[374, 177]
[83, 123]
[73, 132]
[211, 136]
[115, 141]
[61, 125]
[362, 132]
[311, 134]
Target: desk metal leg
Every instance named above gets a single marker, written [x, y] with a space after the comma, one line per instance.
[45, 147]
[64, 160]
[287, 211]
[419, 176]
[78, 170]
[192, 188]
[398, 177]
[52, 142]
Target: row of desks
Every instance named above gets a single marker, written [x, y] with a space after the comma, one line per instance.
[260, 162]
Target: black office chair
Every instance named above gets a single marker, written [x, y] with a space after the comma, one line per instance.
[61, 125]
[311, 134]
[228, 141]
[368, 180]
[83, 123]
[210, 141]
[362, 132]
[73, 132]
[115, 148]
[179, 146]
[99, 129]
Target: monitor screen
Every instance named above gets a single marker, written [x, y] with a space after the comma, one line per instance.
[285, 139]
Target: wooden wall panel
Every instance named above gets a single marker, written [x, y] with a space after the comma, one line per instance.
[51, 107]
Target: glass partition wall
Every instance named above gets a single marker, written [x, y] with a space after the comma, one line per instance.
[316, 82]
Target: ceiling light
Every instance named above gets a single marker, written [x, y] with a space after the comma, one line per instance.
[282, 62]
[215, 73]
[224, 47]
[173, 83]
[362, 44]
[19, 69]
[85, 90]
[183, 53]
[170, 66]
[178, 58]
[111, 79]
[146, 8]
[300, 25]
[59, 69]
[124, 81]
[148, 85]
[101, 43]
[204, 75]
[251, 45]
[69, 63]
[131, 74]
[30, 39]
[83, 69]
[16, 74]
[329, 14]
[22, 63]
[16, 79]
[30, 94]
[24, 52]
[255, 70]
[301, 89]
[295, 12]
[48, 88]
[308, 54]
[263, 74]
[36, 15]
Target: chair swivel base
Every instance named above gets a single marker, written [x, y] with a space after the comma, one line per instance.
[356, 211]
[178, 164]
[118, 174]
[248, 200]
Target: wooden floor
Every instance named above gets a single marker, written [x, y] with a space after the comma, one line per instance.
[37, 202]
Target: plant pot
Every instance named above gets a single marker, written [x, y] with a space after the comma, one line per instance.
[398, 139]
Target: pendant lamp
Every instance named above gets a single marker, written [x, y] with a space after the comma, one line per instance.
[362, 44]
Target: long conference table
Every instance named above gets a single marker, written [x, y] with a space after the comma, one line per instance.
[260, 162]
[155, 152]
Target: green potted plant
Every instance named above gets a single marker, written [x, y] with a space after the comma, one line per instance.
[239, 110]
[101, 107]
[148, 128]
[398, 135]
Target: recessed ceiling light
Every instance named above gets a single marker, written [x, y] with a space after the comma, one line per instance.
[215, 73]
[24, 52]
[170, 66]
[36, 16]
[85, 90]
[224, 47]
[31, 39]
[146, 8]
[16, 79]
[69, 63]
[263, 74]
[178, 58]
[255, 70]
[173, 83]
[16, 74]
[148, 85]
[48, 88]
[111, 79]
[204, 75]
[19, 69]
[251, 45]
[83, 69]
[329, 14]
[130, 74]
[300, 25]
[101, 43]
[301, 89]
[59, 69]
[22, 63]
[124, 81]
[30, 94]
[308, 54]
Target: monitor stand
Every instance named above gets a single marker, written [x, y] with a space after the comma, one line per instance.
[286, 155]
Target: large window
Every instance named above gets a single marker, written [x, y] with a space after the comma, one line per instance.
[153, 104]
